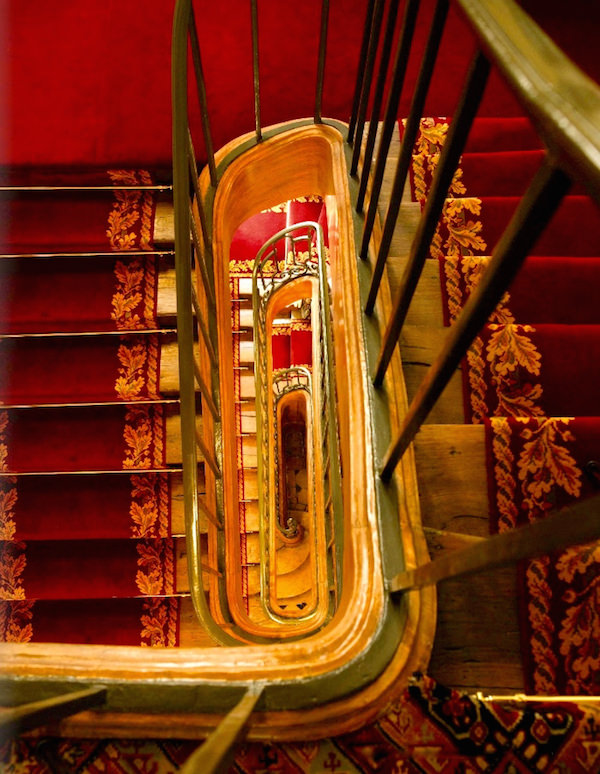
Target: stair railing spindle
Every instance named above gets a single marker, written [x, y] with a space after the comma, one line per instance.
[389, 123]
[321, 60]
[368, 79]
[203, 102]
[408, 141]
[360, 72]
[532, 215]
[255, 67]
[450, 156]
[386, 50]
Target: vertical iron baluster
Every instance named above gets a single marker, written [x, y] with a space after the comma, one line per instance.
[410, 134]
[360, 73]
[321, 62]
[366, 87]
[254, 13]
[378, 95]
[195, 45]
[535, 210]
[457, 136]
[389, 122]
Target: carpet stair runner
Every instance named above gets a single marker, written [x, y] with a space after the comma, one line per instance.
[528, 388]
[93, 547]
[291, 346]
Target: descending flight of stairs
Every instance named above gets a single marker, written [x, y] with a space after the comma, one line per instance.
[294, 566]
[535, 360]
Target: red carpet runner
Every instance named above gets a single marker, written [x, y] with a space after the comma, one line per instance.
[86, 550]
[531, 377]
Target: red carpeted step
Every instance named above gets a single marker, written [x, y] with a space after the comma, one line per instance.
[502, 134]
[251, 235]
[536, 465]
[151, 621]
[88, 569]
[301, 347]
[281, 351]
[525, 370]
[84, 438]
[79, 507]
[79, 370]
[76, 294]
[56, 221]
[476, 225]
[548, 289]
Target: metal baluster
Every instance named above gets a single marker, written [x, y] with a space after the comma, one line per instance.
[321, 61]
[366, 87]
[389, 122]
[360, 73]
[254, 14]
[386, 50]
[450, 156]
[411, 129]
[201, 88]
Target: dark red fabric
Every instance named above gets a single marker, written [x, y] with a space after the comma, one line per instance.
[548, 289]
[55, 221]
[63, 294]
[251, 235]
[70, 439]
[82, 369]
[301, 347]
[81, 569]
[90, 621]
[502, 134]
[281, 351]
[81, 507]
[573, 231]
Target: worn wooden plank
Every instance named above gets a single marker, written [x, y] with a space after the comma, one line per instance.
[452, 478]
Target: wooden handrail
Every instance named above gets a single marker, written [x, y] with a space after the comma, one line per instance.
[562, 102]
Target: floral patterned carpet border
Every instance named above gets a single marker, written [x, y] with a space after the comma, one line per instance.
[429, 729]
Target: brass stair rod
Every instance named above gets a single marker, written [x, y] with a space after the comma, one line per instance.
[575, 525]
[27, 188]
[124, 471]
[92, 254]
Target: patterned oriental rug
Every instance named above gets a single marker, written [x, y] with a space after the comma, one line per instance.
[530, 378]
[428, 730]
[92, 531]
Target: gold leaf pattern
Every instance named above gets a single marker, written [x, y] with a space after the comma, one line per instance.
[159, 623]
[16, 621]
